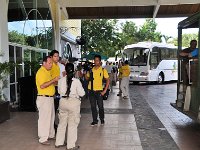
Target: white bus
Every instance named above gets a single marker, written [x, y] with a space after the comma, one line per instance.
[151, 61]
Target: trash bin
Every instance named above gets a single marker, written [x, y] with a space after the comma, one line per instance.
[27, 93]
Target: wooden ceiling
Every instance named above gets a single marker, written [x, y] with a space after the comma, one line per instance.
[95, 9]
[19, 10]
[164, 11]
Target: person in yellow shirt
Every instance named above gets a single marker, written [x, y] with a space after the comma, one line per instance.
[120, 78]
[125, 80]
[96, 90]
[45, 103]
[55, 72]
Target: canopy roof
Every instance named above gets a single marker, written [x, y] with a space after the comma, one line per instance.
[94, 9]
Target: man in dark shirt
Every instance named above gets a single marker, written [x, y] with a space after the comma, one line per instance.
[186, 55]
[187, 51]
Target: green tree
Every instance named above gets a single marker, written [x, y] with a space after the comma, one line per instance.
[100, 36]
[104, 35]
[166, 38]
[186, 38]
[147, 32]
[17, 37]
[45, 39]
[127, 36]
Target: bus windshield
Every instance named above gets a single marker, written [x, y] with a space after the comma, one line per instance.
[137, 56]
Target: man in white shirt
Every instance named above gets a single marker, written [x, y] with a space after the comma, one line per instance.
[62, 63]
[109, 68]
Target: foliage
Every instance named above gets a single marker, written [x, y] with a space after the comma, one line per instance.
[34, 66]
[127, 36]
[17, 37]
[6, 68]
[147, 32]
[105, 37]
[186, 38]
[45, 39]
[99, 35]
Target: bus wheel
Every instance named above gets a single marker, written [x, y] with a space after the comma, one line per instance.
[161, 78]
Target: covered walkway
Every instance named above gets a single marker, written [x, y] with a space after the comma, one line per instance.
[118, 133]
[146, 121]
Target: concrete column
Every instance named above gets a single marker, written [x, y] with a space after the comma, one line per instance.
[57, 24]
[4, 48]
[4, 31]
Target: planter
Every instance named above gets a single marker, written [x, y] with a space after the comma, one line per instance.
[4, 111]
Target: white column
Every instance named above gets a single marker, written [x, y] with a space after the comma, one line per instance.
[57, 24]
[4, 31]
[4, 48]
[57, 10]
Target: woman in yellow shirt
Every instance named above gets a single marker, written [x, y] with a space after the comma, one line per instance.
[125, 80]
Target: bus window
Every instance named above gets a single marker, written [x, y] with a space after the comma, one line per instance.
[154, 59]
[167, 53]
[164, 53]
[138, 57]
[173, 53]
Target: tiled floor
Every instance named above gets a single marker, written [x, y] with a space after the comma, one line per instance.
[118, 133]
[184, 131]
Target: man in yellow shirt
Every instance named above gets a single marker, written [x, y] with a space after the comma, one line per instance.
[125, 80]
[96, 91]
[55, 72]
[45, 103]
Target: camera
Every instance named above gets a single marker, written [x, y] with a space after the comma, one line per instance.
[87, 66]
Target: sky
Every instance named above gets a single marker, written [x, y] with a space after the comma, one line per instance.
[167, 26]
[29, 26]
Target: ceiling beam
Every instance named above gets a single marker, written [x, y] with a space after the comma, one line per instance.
[23, 9]
[106, 3]
[115, 3]
[65, 13]
[156, 8]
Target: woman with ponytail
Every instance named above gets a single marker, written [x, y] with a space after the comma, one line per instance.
[70, 90]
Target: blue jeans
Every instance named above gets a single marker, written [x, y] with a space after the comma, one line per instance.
[96, 99]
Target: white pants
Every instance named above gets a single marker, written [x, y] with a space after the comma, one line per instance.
[111, 79]
[120, 80]
[46, 119]
[69, 116]
[125, 86]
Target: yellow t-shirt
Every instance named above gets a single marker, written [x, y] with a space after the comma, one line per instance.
[120, 73]
[98, 75]
[43, 76]
[55, 70]
[125, 71]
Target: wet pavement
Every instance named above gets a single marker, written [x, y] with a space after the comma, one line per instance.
[145, 121]
[184, 131]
